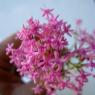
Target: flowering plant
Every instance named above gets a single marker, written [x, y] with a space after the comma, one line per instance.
[45, 56]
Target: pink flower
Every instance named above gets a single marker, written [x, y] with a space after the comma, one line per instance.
[44, 54]
[78, 22]
[9, 48]
[47, 12]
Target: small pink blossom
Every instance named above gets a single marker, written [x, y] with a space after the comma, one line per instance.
[9, 48]
[78, 22]
[47, 12]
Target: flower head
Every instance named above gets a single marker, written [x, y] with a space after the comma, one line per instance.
[44, 54]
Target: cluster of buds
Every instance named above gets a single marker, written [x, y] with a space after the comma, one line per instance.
[44, 54]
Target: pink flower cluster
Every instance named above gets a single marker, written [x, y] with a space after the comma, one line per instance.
[44, 54]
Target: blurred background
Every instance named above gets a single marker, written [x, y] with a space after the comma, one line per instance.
[15, 13]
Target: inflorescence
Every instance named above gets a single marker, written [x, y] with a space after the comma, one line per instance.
[44, 54]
